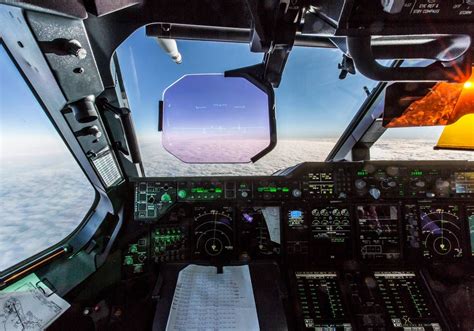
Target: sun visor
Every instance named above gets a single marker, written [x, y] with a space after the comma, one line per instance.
[458, 136]
[427, 104]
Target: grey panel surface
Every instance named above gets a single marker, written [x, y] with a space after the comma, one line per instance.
[51, 32]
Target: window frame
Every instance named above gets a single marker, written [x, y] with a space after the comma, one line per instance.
[51, 99]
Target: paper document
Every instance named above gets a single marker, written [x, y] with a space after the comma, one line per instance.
[206, 300]
[272, 218]
[29, 305]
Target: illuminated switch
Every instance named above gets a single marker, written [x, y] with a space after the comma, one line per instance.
[166, 197]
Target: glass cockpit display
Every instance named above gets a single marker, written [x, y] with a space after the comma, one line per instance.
[331, 232]
[260, 231]
[379, 233]
[213, 232]
[295, 218]
[441, 231]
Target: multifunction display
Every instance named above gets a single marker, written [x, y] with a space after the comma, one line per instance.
[441, 231]
[379, 233]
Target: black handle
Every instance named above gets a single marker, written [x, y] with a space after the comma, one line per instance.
[360, 49]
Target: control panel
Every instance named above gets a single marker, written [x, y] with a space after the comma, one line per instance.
[396, 17]
[355, 238]
[320, 302]
[317, 213]
[379, 300]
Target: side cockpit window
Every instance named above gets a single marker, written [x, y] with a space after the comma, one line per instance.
[44, 194]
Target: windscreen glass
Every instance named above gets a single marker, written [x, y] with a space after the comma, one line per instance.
[414, 144]
[44, 194]
[313, 106]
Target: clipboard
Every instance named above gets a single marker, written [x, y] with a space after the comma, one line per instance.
[30, 301]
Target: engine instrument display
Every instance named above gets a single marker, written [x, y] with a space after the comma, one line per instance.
[441, 231]
[331, 232]
[213, 232]
[379, 234]
[320, 300]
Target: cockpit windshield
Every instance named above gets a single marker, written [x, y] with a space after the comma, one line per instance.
[313, 106]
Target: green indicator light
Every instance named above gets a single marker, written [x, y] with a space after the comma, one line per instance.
[273, 189]
[218, 190]
[128, 260]
[182, 194]
[166, 197]
[362, 173]
[417, 173]
[260, 189]
[285, 189]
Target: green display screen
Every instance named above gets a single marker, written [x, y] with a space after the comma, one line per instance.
[206, 190]
[273, 189]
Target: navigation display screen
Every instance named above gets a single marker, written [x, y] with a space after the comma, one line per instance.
[379, 236]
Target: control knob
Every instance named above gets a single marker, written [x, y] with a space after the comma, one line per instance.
[296, 193]
[375, 193]
[360, 184]
[420, 184]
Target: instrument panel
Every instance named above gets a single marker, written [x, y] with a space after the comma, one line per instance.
[315, 213]
[355, 238]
